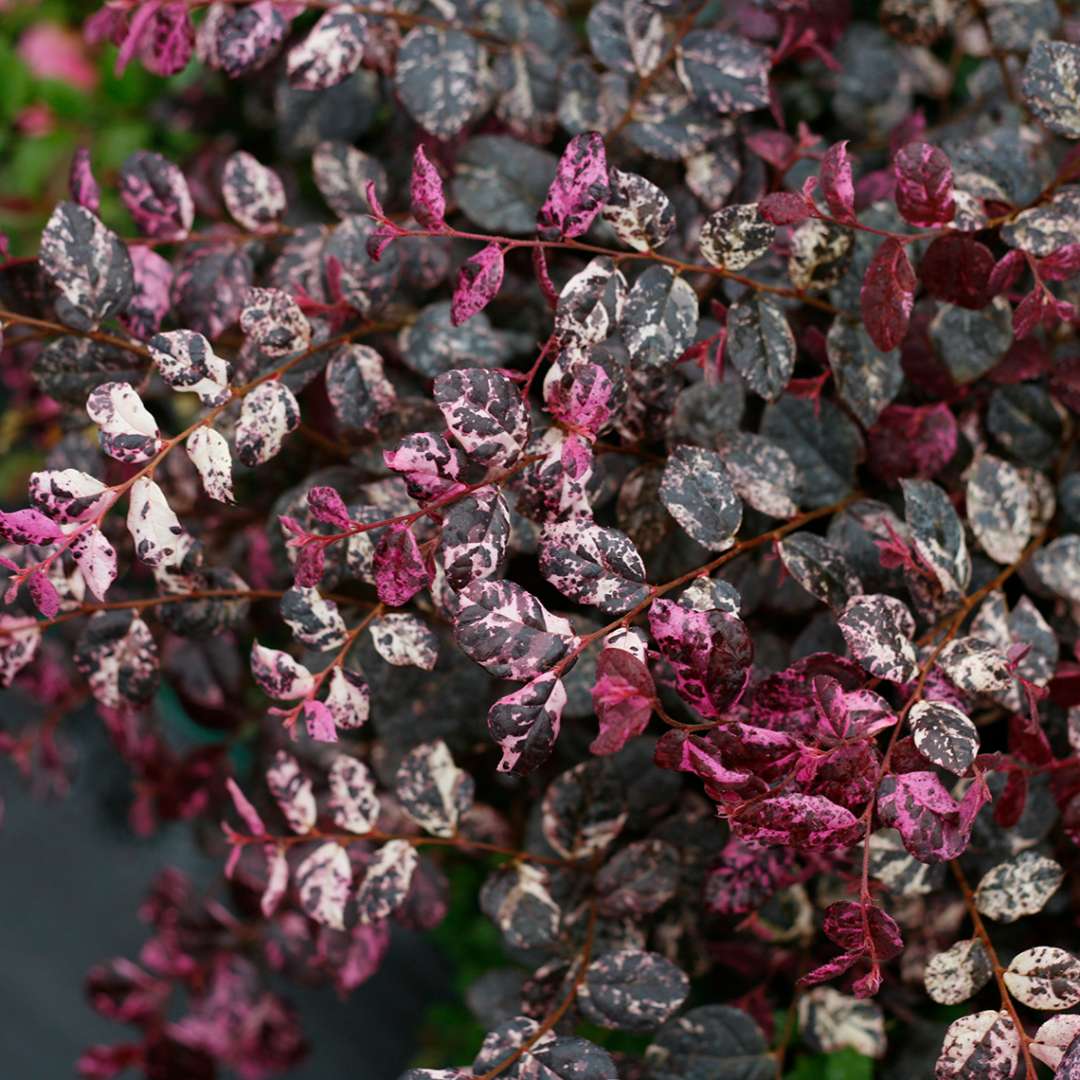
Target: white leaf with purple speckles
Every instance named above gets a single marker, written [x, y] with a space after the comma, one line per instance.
[353, 802]
[154, 527]
[96, 560]
[253, 194]
[323, 880]
[128, 432]
[984, 1044]
[187, 361]
[210, 454]
[279, 675]
[1021, 886]
[268, 414]
[432, 790]
[404, 641]
[878, 631]
[292, 792]
[386, 882]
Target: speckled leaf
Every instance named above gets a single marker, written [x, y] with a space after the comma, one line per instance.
[96, 560]
[710, 653]
[837, 184]
[253, 194]
[267, 415]
[1058, 566]
[924, 185]
[808, 821]
[823, 442]
[127, 430]
[485, 413]
[944, 735]
[209, 453]
[999, 508]
[517, 900]
[156, 195]
[820, 255]
[150, 298]
[331, 52]
[734, 237]
[970, 342]
[357, 386]
[240, 40]
[761, 472]
[387, 881]
[272, 321]
[292, 792]
[761, 345]
[89, 266]
[431, 467]
[984, 1044]
[632, 990]
[591, 304]
[584, 809]
[578, 192]
[279, 675]
[404, 641]
[593, 565]
[866, 379]
[639, 213]
[474, 538]
[399, 566]
[209, 287]
[342, 174]
[958, 973]
[153, 526]
[349, 698]
[888, 295]
[638, 879]
[117, 654]
[830, 1022]
[660, 319]
[432, 790]
[878, 630]
[1045, 977]
[66, 495]
[323, 880]
[526, 723]
[708, 1042]
[426, 196]
[508, 631]
[441, 78]
[975, 666]
[18, 646]
[937, 535]
[313, 620]
[1019, 887]
[821, 569]
[725, 72]
[353, 802]
[698, 493]
[478, 283]
[1051, 86]
[187, 362]
[933, 826]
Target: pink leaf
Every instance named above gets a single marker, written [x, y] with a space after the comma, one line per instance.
[245, 809]
[319, 721]
[28, 527]
[887, 296]
[924, 185]
[784, 208]
[327, 506]
[43, 593]
[478, 283]
[426, 192]
[836, 182]
[578, 191]
[400, 569]
[81, 183]
[622, 698]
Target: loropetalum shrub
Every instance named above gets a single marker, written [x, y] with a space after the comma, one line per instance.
[654, 477]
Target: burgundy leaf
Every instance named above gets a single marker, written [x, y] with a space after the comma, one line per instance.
[924, 185]
[836, 182]
[887, 295]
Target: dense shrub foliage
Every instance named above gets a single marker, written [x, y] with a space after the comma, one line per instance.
[628, 449]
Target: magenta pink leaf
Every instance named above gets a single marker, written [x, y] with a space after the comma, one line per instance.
[785, 208]
[808, 821]
[478, 283]
[836, 182]
[887, 295]
[426, 192]
[924, 185]
[578, 192]
[622, 697]
[327, 506]
[81, 183]
[401, 570]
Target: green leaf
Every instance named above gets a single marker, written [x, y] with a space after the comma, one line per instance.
[843, 1065]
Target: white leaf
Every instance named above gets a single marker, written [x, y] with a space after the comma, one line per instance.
[96, 559]
[323, 880]
[153, 526]
[209, 453]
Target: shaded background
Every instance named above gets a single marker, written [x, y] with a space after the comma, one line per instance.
[73, 877]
